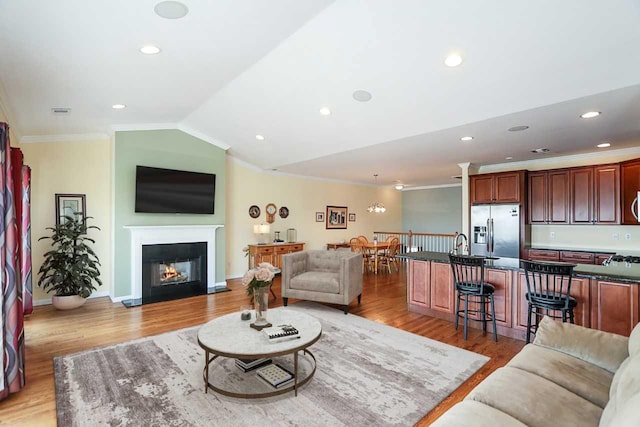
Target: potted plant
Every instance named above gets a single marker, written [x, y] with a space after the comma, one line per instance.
[70, 269]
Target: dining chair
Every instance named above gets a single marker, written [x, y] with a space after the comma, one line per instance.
[389, 257]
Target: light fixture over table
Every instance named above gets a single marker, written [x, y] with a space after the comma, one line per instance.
[376, 207]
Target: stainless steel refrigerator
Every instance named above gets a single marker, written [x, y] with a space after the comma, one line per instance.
[495, 230]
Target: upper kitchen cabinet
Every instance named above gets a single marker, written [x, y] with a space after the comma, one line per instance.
[504, 187]
[595, 195]
[549, 197]
[631, 192]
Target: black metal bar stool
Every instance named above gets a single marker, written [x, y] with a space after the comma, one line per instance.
[468, 278]
[548, 292]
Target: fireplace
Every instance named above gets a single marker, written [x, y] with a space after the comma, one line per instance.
[174, 270]
[201, 261]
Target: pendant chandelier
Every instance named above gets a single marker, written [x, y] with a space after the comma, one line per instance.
[376, 207]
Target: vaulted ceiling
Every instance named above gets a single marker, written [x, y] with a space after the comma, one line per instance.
[232, 69]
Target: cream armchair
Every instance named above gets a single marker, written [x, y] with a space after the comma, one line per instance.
[334, 277]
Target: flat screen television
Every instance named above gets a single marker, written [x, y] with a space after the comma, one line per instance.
[173, 191]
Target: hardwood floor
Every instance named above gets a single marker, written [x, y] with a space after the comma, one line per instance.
[50, 333]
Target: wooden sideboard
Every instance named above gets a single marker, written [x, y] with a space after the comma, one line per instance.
[271, 253]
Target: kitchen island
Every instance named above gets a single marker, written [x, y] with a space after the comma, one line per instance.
[608, 296]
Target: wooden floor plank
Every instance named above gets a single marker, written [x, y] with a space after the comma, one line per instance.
[50, 333]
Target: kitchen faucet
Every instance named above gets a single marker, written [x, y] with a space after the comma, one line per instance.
[465, 248]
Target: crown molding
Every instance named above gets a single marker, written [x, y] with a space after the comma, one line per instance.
[431, 187]
[548, 162]
[74, 137]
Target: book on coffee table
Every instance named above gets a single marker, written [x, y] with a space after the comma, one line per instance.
[281, 333]
[275, 375]
[247, 365]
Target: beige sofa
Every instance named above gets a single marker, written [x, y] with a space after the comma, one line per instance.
[324, 276]
[569, 376]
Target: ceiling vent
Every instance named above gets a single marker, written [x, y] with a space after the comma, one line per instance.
[541, 151]
[61, 111]
[457, 177]
[518, 128]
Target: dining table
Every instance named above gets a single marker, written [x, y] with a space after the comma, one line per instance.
[374, 248]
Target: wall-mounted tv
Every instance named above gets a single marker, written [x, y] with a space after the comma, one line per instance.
[173, 191]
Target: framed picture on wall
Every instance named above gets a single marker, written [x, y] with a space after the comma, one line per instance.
[70, 205]
[319, 216]
[336, 217]
[352, 217]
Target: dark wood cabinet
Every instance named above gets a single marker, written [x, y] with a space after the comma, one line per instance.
[630, 183]
[616, 306]
[595, 195]
[497, 187]
[577, 257]
[606, 193]
[549, 197]
[501, 280]
[544, 255]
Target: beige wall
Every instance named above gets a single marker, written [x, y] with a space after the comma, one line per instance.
[75, 168]
[580, 236]
[304, 197]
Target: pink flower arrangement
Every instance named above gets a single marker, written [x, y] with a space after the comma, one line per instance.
[259, 277]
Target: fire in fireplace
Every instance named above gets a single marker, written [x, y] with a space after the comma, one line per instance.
[171, 271]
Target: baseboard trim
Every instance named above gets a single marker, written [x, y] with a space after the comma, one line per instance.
[120, 299]
[218, 285]
[93, 295]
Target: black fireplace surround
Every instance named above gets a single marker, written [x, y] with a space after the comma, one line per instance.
[172, 271]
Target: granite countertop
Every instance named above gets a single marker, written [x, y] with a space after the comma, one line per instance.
[618, 271]
[551, 248]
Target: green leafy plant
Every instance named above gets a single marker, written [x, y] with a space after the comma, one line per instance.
[71, 267]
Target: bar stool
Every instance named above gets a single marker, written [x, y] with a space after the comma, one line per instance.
[548, 292]
[468, 278]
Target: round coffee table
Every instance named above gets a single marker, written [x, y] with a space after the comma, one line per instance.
[230, 337]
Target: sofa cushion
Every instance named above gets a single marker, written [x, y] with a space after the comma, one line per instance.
[328, 261]
[533, 400]
[634, 341]
[627, 414]
[470, 412]
[317, 281]
[624, 389]
[582, 378]
[600, 348]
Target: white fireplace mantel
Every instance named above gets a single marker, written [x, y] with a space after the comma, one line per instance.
[161, 234]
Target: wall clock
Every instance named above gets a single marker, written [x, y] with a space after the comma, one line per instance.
[254, 211]
[284, 212]
[270, 209]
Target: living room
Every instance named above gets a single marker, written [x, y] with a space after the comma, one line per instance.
[307, 158]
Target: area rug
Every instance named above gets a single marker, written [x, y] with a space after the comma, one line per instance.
[368, 374]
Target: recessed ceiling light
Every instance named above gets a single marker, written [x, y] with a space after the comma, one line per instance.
[118, 106]
[171, 9]
[399, 186]
[590, 114]
[362, 96]
[466, 138]
[260, 137]
[508, 158]
[150, 49]
[325, 111]
[453, 60]
[518, 128]
[604, 145]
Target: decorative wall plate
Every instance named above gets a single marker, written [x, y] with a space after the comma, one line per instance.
[284, 212]
[254, 211]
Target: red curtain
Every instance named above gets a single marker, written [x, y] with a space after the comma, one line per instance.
[12, 281]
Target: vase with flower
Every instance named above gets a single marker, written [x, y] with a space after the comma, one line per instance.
[257, 282]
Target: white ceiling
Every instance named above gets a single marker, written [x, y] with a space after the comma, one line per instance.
[236, 68]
